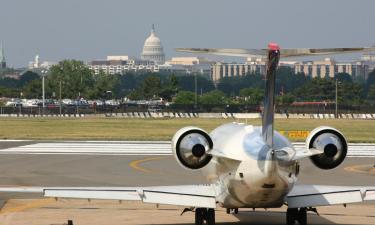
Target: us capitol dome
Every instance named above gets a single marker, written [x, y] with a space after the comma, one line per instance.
[152, 49]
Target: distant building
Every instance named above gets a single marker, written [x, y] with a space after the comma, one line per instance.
[221, 70]
[188, 65]
[188, 61]
[38, 65]
[329, 67]
[153, 49]
[121, 65]
[369, 59]
[3, 63]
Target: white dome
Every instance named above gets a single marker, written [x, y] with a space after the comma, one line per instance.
[152, 49]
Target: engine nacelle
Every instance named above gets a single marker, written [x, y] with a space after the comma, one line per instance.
[333, 144]
[190, 146]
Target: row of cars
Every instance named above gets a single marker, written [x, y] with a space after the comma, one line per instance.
[82, 103]
[50, 103]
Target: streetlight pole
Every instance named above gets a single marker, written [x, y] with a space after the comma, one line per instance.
[196, 94]
[60, 97]
[336, 111]
[43, 94]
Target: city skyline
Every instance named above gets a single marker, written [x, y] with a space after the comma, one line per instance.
[88, 30]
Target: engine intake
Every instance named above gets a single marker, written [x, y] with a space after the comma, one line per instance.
[190, 146]
[332, 143]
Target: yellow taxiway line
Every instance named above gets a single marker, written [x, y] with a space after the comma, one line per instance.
[365, 169]
[136, 164]
[34, 204]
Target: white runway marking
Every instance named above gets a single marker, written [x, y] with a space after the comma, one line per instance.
[135, 148]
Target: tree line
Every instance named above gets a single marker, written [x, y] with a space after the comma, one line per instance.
[76, 80]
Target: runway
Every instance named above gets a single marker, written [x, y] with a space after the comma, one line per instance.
[102, 168]
[120, 163]
[129, 148]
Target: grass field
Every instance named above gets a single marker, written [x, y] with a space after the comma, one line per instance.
[157, 129]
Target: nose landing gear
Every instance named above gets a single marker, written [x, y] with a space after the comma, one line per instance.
[294, 215]
[204, 215]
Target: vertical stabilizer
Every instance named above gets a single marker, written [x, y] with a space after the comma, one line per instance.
[269, 97]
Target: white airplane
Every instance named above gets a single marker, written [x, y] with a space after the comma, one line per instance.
[246, 166]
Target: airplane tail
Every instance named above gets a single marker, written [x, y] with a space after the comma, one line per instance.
[269, 95]
[273, 54]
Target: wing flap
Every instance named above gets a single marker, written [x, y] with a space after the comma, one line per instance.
[321, 195]
[179, 199]
[181, 195]
[324, 199]
[93, 194]
[370, 195]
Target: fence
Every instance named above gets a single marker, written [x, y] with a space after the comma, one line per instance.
[175, 108]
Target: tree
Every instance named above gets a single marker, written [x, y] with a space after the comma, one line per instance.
[76, 77]
[102, 83]
[343, 77]
[33, 89]
[185, 98]
[232, 85]
[371, 92]
[187, 83]
[252, 95]
[27, 77]
[151, 87]
[288, 81]
[215, 97]
[9, 92]
[285, 99]
[370, 81]
[169, 88]
[321, 89]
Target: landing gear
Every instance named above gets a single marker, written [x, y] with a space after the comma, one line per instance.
[203, 214]
[294, 215]
[232, 211]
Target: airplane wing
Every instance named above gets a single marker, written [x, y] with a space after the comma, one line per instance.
[324, 195]
[182, 195]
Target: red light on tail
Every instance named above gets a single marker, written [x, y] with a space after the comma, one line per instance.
[273, 46]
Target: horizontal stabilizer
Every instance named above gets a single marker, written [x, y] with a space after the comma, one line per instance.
[300, 154]
[285, 53]
[258, 53]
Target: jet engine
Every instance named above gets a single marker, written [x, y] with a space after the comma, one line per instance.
[190, 146]
[333, 145]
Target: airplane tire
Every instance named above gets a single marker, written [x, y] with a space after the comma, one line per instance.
[236, 211]
[302, 216]
[210, 217]
[291, 216]
[199, 216]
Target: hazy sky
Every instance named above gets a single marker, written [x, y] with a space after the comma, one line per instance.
[93, 29]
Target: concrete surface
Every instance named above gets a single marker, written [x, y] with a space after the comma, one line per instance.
[48, 212]
[99, 170]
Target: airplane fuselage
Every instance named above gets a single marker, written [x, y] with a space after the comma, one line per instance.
[250, 176]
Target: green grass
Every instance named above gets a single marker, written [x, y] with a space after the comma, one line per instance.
[156, 129]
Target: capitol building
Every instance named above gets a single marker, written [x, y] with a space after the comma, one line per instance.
[152, 49]
[152, 60]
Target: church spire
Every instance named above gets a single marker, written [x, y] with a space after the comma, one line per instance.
[2, 57]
